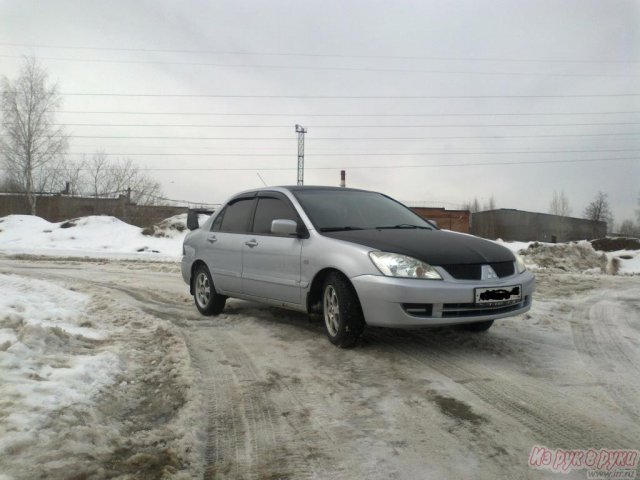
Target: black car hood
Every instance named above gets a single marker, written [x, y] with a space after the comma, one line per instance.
[435, 247]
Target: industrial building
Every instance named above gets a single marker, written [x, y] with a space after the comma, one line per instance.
[517, 225]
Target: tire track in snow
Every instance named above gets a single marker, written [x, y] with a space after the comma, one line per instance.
[607, 353]
[543, 412]
[263, 442]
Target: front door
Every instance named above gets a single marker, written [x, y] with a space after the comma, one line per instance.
[271, 263]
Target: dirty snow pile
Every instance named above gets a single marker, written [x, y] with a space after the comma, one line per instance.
[48, 366]
[172, 227]
[623, 254]
[94, 236]
[576, 257]
[91, 388]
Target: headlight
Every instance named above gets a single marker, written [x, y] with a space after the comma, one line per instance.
[396, 265]
[520, 266]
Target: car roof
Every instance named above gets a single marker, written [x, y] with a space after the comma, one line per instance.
[300, 188]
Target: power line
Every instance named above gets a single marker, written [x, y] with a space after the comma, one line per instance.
[359, 154]
[314, 55]
[155, 125]
[395, 166]
[228, 114]
[341, 97]
[331, 68]
[314, 139]
[351, 139]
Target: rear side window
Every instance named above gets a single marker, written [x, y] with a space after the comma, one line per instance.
[269, 209]
[236, 216]
[217, 223]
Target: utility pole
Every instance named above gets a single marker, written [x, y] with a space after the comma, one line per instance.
[300, 131]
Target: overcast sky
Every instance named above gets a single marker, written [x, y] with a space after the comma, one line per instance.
[510, 82]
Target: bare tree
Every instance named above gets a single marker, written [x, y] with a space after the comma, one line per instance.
[32, 145]
[98, 179]
[9, 185]
[560, 204]
[599, 210]
[628, 228]
[474, 205]
[106, 177]
[71, 177]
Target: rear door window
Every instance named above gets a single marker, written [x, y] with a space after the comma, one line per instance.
[236, 216]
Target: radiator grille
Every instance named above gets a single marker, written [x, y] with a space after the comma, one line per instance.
[474, 271]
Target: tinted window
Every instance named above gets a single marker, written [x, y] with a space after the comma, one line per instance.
[236, 216]
[334, 209]
[269, 209]
[215, 227]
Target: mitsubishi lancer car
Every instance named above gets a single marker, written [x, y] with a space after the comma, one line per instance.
[355, 257]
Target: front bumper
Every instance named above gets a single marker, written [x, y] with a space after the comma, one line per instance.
[411, 303]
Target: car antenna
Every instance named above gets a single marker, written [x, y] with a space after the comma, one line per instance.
[260, 177]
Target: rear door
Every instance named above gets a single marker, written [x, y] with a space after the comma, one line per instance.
[223, 246]
[271, 263]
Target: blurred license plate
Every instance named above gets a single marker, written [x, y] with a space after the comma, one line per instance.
[499, 296]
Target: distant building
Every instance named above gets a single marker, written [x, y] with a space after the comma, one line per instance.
[516, 225]
[456, 220]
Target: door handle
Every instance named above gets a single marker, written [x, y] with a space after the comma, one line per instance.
[212, 239]
[251, 243]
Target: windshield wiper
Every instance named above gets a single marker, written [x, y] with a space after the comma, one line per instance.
[403, 225]
[339, 229]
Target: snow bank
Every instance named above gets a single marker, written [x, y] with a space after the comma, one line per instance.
[624, 262]
[44, 337]
[574, 257]
[94, 236]
[172, 227]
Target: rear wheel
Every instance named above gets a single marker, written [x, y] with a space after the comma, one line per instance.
[207, 300]
[343, 318]
[478, 326]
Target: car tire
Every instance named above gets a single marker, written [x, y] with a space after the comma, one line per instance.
[343, 318]
[207, 300]
[478, 326]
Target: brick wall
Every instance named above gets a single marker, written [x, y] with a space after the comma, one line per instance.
[456, 220]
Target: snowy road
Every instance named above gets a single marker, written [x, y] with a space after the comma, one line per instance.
[273, 399]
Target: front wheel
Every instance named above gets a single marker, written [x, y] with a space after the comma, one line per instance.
[207, 300]
[343, 318]
[478, 326]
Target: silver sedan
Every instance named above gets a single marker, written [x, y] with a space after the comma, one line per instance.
[356, 257]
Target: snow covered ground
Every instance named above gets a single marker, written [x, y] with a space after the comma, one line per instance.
[93, 236]
[108, 371]
[47, 362]
[90, 388]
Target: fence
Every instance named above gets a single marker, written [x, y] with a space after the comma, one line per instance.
[58, 207]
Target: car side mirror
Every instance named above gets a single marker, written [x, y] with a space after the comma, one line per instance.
[281, 226]
[192, 220]
[434, 222]
[192, 217]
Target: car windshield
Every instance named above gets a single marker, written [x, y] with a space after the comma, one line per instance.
[335, 210]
